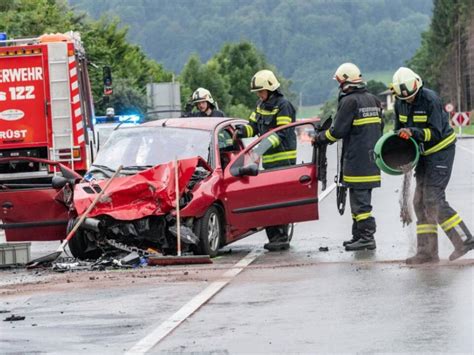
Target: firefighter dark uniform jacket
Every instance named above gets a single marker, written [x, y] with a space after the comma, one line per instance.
[358, 123]
[427, 120]
[275, 112]
[214, 113]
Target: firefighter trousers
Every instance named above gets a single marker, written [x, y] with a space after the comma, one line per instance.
[363, 223]
[431, 208]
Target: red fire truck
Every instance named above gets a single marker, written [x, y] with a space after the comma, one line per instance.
[46, 107]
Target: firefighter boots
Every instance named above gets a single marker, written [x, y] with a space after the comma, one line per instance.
[277, 246]
[279, 238]
[426, 250]
[364, 242]
[350, 241]
[355, 234]
[462, 240]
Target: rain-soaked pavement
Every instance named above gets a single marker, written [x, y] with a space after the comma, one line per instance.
[300, 301]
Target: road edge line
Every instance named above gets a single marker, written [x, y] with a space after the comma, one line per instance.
[165, 328]
[326, 192]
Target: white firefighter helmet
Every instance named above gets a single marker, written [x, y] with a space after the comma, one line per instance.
[264, 80]
[109, 111]
[406, 83]
[201, 94]
[348, 73]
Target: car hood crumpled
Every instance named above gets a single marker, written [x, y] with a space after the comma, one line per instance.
[149, 192]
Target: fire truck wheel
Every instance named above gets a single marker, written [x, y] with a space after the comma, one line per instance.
[209, 230]
[81, 247]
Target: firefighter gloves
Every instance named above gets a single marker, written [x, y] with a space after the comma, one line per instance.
[405, 133]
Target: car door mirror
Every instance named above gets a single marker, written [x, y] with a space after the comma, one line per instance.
[248, 170]
[58, 182]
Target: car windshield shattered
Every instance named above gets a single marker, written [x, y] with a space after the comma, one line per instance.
[139, 148]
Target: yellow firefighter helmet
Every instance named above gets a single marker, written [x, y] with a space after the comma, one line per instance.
[406, 83]
[348, 73]
[201, 94]
[264, 80]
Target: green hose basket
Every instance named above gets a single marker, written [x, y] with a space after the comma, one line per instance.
[394, 155]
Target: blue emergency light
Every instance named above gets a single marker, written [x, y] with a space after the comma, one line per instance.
[118, 119]
[3, 37]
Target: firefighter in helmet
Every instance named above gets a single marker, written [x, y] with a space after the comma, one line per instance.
[419, 114]
[205, 104]
[272, 110]
[358, 122]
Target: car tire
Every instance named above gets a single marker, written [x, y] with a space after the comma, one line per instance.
[209, 230]
[79, 244]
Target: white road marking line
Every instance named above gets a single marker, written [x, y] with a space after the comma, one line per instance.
[464, 148]
[159, 333]
[326, 192]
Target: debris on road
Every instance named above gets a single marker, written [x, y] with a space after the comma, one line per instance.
[14, 318]
[323, 248]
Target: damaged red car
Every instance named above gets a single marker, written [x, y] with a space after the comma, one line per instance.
[224, 195]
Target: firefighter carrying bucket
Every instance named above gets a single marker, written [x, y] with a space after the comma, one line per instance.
[419, 115]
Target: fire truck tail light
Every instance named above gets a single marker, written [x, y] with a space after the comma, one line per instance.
[66, 153]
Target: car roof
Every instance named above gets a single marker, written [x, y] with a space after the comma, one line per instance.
[202, 123]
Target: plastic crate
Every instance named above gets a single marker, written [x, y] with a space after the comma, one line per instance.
[14, 254]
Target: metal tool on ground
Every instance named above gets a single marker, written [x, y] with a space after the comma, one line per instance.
[53, 256]
[179, 259]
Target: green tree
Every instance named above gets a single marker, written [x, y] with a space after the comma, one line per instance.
[227, 76]
[376, 87]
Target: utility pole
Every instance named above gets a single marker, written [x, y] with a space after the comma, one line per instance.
[458, 65]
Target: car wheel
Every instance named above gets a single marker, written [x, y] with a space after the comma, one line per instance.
[80, 246]
[209, 231]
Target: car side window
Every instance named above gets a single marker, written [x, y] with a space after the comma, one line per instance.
[288, 147]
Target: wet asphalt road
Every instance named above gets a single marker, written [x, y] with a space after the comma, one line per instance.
[303, 300]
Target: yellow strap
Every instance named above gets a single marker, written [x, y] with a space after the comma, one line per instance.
[427, 133]
[451, 222]
[362, 216]
[373, 178]
[282, 120]
[441, 145]
[329, 136]
[249, 130]
[270, 158]
[368, 120]
[427, 229]
[267, 113]
[420, 118]
[274, 140]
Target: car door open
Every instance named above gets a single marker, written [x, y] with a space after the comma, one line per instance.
[273, 181]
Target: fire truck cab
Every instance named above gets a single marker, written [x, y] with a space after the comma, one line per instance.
[46, 106]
